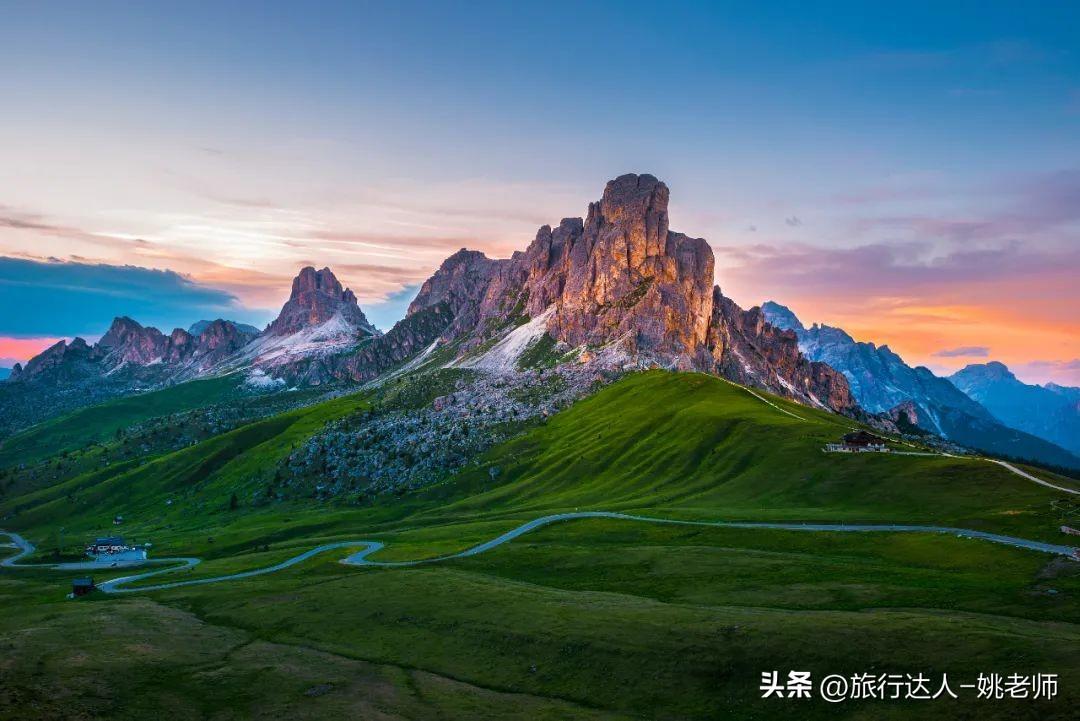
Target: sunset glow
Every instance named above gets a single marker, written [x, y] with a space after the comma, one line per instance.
[917, 218]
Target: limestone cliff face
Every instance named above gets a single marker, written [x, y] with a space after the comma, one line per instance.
[618, 274]
[53, 360]
[460, 284]
[622, 275]
[625, 274]
[217, 342]
[127, 341]
[744, 347]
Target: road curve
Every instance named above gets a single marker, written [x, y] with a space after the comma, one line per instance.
[1003, 464]
[361, 557]
[1030, 477]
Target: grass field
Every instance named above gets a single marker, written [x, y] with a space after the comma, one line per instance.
[99, 423]
[581, 619]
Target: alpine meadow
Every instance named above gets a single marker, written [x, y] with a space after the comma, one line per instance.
[302, 416]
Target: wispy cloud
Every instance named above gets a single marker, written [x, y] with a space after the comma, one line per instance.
[879, 269]
[21, 220]
[1028, 205]
[994, 266]
[967, 351]
[1064, 372]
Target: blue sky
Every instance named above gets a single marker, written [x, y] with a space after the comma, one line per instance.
[234, 142]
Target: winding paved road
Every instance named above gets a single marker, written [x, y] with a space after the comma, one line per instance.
[1030, 477]
[360, 557]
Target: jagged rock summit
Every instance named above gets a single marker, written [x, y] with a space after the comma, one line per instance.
[620, 276]
[131, 345]
[318, 297]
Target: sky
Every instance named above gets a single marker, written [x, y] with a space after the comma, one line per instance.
[906, 172]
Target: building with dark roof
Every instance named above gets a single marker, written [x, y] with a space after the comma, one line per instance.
[858, 442]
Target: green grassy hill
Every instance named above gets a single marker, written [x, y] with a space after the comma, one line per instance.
[199, 479]
[679, 445]
[582, 619]
[99, 423]
[692, 445]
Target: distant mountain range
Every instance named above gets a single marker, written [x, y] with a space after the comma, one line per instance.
[198, 327]
[1051, 412]
[4, 373]
[320, 318]
[882, 382]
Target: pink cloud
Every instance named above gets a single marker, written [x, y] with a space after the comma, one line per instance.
[20, 350]
[1063, 372]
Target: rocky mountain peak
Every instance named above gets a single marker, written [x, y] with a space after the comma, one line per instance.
[623, 274]
[52, 359]
[622, 279]
[981, 373]
[309, 280]
[782, 317]
[459, 281]
[317, 296]
[127, 341]
[120, 331]
[637, 207]
[1034, 409]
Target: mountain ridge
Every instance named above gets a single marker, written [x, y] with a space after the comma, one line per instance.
[882, 382]
[617, 288]
[1050, 413]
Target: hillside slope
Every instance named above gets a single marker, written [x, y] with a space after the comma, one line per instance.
[678, 444]
[696, 446]
[881, 381]
[98, 423]
[601, 617]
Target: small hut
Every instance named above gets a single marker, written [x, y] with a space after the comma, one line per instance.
[82, 586]
[858, 442]
[863, 441]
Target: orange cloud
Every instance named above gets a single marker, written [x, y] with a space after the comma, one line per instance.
[1014, 299]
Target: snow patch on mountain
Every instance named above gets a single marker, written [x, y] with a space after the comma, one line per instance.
[503, 356]
[334, 336]
[257, 378]
[416, 362]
